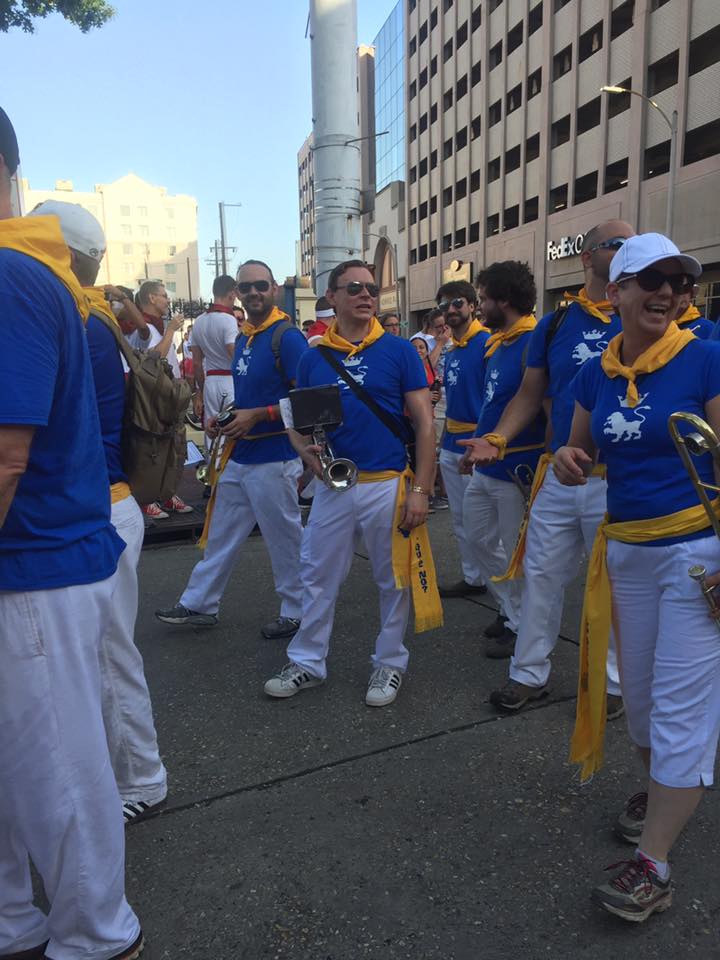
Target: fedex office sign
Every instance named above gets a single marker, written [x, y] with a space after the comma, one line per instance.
[565, 247]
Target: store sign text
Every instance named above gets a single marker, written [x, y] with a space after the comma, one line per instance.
[566, 247]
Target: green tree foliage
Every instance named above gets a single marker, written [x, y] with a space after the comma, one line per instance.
[86, 14]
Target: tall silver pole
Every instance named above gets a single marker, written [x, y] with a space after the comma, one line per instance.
[669, 209]
[336, 160]
[223, 256]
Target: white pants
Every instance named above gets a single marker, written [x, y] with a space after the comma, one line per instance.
[213, 390]
[262, 493]
[59, 802]
[669, 653]
[127, 709]
[455, 486]
[335, 519]
[493, 513]
[563, 521]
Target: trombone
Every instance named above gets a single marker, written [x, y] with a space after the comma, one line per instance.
[702, 440]
[207, 472]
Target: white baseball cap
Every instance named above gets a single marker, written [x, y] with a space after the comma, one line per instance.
[645, 249]
[80, 229]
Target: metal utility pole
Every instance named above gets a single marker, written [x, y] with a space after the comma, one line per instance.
[187, 264]
[336, 151]
[223, 234]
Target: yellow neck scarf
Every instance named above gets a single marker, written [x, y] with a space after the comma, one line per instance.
[661, 352]
[600, 309]
[522, 325]
[98, 303]
[587, 742]
[472, 331]
[692, 313]
[331, 338]
[42, 239]
[251, 331]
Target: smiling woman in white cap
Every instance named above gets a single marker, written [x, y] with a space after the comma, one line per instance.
[655, 529]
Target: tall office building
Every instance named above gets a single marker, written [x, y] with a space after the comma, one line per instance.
[149, 234]
[514, 152]
[306, 204]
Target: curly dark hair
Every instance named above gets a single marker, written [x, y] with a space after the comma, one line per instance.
[456, 288]
[511, 281]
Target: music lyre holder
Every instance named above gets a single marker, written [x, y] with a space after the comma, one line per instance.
[315, 411]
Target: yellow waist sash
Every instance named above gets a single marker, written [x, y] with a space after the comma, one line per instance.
[458, 426]
[514, 569]
[119, 491]
[587, 745]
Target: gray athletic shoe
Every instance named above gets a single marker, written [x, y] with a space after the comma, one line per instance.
[181, 614]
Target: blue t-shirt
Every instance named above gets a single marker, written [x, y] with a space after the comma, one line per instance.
[578, 338]
[58, 531]
[646, 477]
[109, 380]
[259, 383]
[503, 372]
[464, 386]
[388, 369]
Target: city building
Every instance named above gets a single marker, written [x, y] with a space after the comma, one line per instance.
[513, 151]
[149, 234]
[306, 259]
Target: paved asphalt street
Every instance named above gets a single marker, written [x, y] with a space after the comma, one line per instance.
[319, 829]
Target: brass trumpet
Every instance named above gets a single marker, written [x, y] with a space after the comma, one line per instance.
[207, 472]
[338, 473]
[702, 440]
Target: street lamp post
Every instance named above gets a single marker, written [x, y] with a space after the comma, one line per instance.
[672, 122]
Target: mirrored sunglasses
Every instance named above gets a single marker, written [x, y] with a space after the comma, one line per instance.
[458, 303]
[356, 287]
[262, 286]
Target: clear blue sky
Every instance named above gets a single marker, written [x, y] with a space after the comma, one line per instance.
[211, 99]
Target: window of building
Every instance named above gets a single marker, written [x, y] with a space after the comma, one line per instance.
[129, 269]
[423, 32]
[142, 211]
[461, 35]
[476, 73]
[663, 73]
[127, 249]
[494, 4]
[514, 38]
[170, 268]
[558, 198]
[447, 148]
[493, 225]
[496, 54]
[704, 51]
[461, 138]
[447, 50]
[413, 216]
[423, 77]
[413, 132]
[513, 99]
[535, 18]
[433, 18]
[476, 18]
[126, 229]
[171, 233]
[413, 257]
[534, 83]
[447, 243]
[413, 174]
[474, 232]
[475, 127]
[616, 175]
[433, 159]
[423, 123]
[411, 5]
[447, 196]
[446, 5]
[621, 19]
[588, 116]
[619, 102]
[531, 209]
[562, 62]
[412, 91]
[702, 142]
[422, 252]
[172, 250]
[586, 188]
[124, 211]
[423, 167]
[511, 217]
[560, 131]
[512, 159]
[474, 181]
[493, 170]
[433, 248]
[433, 113]
[495, 113]
[656, 160]
[412, 46]
[433, 66]
[461, 189]
[433, 204]
[532, 148]
[559, 4]
[590, 42]
[461, 87]
[460, 237]
[656, 4]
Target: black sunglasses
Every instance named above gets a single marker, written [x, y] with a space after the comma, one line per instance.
[262, 286]
[458, 303]
[651, 280]
[613, 244]
[356, 287]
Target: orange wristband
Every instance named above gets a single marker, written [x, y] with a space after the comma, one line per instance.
[271, 415]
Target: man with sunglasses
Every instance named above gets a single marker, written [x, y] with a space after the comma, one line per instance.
[464, 375]
[690, 318]
[258, 484]
[391, 373]
[562, 520]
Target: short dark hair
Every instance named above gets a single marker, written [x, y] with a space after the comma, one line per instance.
[223, 285]
[322, 303]
[8, 143]
[127, 291]
[386, 316]
[432, 315]
[257, 263]
[511, 281]
[346, 265]
[147, 290]
[457, 288]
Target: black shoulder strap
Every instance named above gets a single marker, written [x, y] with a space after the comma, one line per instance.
[361, 393]
[277, 335]
[553, 328]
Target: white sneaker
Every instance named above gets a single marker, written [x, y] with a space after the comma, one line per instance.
[383, 687]
[291, 680]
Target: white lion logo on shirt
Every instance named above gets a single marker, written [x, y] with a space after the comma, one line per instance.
[242, 366]
[595, 347]
[356, 371]
[451, 376]
[492, 385]
[620, 428]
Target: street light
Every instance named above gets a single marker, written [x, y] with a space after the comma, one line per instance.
[672, 122]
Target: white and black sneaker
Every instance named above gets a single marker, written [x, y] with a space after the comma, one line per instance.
[136, 810]
[383, 687]
[181, 614]
[291, 680]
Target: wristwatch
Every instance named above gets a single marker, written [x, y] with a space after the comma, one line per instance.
[418, 489]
